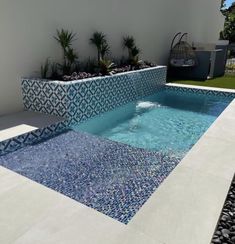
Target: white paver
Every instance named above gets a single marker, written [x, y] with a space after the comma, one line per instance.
[16, 124]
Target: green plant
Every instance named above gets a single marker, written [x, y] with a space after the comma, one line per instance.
[105, 49]
[133, 51]
[228, 32]
[54, 71]
[98, 39]
[90, 66]
[230, 67]
[76, 67]
[135, 56]
[106, 66]
[65, 39]
[45, 69]
[129, 43]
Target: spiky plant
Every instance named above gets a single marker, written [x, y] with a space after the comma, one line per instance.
[45, 69]
[98, 39]
[71, 56]
[65, 39]
[105, 49]
[106, 66]
[54, 71]
[90, 65]
[129, 44]
[133, 50]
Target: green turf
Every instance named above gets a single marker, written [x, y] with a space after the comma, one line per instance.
[227, 81]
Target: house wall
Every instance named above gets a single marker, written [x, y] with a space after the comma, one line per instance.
[205, 21]
[27, 28]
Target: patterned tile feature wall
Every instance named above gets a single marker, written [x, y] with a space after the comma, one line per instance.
[30, 138]
[78, 101]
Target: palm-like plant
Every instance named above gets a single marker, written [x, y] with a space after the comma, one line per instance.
[129, 43]
[45, 69]
[98, 39]
[71, 56]
[105, 49]
[54, 71]
[133, 50]
[65, 39]
[106, 66]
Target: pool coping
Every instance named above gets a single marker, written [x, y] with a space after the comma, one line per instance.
[24, 122]
[32, 213]
[175, 214]
[26, 128]
[201, 87]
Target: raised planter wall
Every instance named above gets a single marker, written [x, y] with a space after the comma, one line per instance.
[80, 100]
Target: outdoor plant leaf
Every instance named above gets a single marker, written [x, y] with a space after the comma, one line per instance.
[45, 69]
[133, 51]
[65, 39]
[128, 42]
[54, 71]
[106, 66]
[71, 55]
[98, 39]
[105, 49]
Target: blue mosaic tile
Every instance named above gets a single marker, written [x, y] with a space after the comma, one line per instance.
[113, 178]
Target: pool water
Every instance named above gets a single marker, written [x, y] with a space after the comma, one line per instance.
[137, 147]
[169, 121]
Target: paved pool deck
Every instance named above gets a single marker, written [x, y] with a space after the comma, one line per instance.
[183, 210]
[16, 124]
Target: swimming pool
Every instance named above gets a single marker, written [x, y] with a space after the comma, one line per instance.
[168, 121]
[114, 162]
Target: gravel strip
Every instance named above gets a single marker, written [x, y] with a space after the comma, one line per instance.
[225, 232]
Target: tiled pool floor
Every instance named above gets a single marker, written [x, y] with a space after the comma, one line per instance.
[111, 177]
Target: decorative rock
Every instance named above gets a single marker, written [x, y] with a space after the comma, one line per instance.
[225, 233]
[216, 241]
[85, 75]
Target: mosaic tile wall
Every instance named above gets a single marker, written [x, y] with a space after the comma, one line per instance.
[78, 101]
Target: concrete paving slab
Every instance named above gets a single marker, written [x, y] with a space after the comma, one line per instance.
[16, 124]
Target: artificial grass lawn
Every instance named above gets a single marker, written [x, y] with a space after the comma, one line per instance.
[227, 81]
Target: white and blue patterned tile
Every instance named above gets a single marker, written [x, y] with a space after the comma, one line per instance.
[35, 136]
[108, 92]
